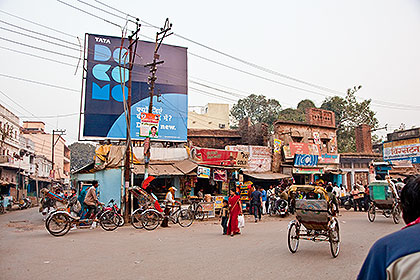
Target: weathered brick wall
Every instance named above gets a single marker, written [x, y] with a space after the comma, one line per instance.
[363, 139]
[217, 138]
[320, 117]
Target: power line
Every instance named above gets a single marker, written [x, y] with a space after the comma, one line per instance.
[39, 33]
[38, 24]
[37, 48]
[39, 83]
[93, 15]
[38, 56]
[52, 117]
[246, 62]
[36, 38]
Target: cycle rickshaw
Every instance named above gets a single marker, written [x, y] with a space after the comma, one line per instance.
[315, 218]
[384, 197]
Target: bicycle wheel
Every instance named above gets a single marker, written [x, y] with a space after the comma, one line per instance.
[371, 212]
[293, 238]
[335, 240]
[58, 224]
[396, 214]
[185, 218]
[199, 213]
[2, 208]
[109, 220]
[136, 219]
[150, 219]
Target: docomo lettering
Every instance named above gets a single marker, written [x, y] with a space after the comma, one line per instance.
[101, 72]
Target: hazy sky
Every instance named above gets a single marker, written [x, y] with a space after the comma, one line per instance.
[334, 44]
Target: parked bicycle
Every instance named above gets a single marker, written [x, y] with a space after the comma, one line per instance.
[197, 209]
[60, 222]
[152, 218]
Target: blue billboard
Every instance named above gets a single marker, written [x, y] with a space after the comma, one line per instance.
[106, 68]
[305, 160]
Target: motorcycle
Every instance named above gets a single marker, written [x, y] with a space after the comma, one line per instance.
[278, 206]
[22, 204]
[112, 206]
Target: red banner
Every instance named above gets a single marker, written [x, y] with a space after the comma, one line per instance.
[219, 157]
[304, 149]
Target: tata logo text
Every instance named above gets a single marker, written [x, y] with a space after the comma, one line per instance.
[103, 56]
[102, 40]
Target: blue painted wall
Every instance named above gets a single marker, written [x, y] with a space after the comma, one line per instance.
[109, 185]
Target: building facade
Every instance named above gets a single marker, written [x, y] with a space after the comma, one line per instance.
[211, 116]
[43, 147]
[307, 150]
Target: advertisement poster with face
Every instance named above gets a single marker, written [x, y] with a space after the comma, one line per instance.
[149, 125]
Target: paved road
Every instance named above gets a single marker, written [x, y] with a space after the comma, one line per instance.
[27, 251]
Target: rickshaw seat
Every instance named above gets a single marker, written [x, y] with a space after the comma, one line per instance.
[312, 213]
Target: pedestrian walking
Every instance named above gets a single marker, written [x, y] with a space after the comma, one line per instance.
[235, 208]
[356, 199]
[270, 196]
[224, 214]
[256, 201]
[264, 200]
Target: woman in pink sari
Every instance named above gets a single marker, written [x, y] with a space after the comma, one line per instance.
[235, 208]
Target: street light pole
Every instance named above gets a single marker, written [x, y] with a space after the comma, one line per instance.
[58, 132]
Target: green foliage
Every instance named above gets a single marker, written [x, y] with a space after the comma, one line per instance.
[258, 108]
[81, 154]
[349, 113]
[297, 115]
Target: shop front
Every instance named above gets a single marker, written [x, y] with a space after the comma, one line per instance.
[306, 175]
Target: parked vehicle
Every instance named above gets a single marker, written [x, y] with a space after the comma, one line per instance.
[152, 218]
[385, 198]
[21, 203]
[197, 209]
[278, 206]
[60, 222]
[2, 210]
[112, 205]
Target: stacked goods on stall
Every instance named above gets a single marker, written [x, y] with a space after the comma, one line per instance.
[245, 195]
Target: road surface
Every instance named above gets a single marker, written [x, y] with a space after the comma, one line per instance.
[28, 251]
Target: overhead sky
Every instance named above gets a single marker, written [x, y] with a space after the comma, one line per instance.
[328, 43]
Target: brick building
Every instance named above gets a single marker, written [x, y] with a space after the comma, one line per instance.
[308, 149]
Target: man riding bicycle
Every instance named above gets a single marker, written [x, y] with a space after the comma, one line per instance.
[91, 202]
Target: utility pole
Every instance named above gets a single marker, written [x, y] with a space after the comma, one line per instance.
[129, 151]
[160, 35]
[58, 132]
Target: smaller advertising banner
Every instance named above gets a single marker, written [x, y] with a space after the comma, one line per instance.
[203, 172]
[218, 202]
[277, 146]
[219, 175]
[329, 159]
[149, 125]
[219, 157]
[306, 160]
[317, 139]
[287, 153]
[208, 208]
[303, 170]
[304, 149]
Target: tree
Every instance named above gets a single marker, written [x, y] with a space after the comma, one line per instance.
[81, 154]
[258, 108]
[299, 114]
[349, 113]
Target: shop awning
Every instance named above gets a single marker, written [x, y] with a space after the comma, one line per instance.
[335, 171]
[158, 169]
[267, 175]
[186, 166]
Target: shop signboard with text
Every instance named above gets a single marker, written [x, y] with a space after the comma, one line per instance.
[149, 125]
[408, 149]
[307, 170]
[219, 157]
[329, 159]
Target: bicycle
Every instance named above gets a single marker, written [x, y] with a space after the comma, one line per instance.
[152, 218]
[197, 208]
[60, 222]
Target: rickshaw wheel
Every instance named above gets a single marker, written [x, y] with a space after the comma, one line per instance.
[396, 214]
[150, 219]
[371, 212]
[136, 219]
[58, 224]
[335, 240]
[293, 238]
[109, 220]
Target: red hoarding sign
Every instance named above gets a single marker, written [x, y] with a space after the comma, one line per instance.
[219, 157]
[304, 149]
